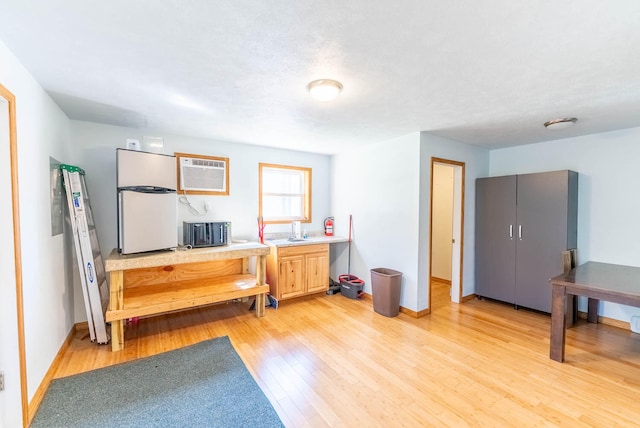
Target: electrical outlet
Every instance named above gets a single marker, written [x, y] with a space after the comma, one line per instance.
[1, 381]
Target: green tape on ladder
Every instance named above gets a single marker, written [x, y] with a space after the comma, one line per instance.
[71, 168]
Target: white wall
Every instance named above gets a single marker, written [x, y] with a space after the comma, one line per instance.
[386, 187]
[441, 244]
[95, 146]
[379, 186]
[42, 131]
[608, 206]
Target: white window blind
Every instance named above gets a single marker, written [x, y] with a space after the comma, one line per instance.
[285, 193]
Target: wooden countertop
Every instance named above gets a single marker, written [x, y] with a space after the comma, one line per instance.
[117, 261]
[309, 241]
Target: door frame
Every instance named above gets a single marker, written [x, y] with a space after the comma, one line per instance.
[458, 227]
[17, 249]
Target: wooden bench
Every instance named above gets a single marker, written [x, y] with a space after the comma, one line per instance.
[151, 284]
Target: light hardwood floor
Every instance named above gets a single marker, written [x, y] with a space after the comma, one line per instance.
[440, 294]
[332, 361]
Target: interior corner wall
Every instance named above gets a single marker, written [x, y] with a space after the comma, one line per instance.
[379, 184]
[96, 144]
[607, 164]
[42, 131]
[476, 160]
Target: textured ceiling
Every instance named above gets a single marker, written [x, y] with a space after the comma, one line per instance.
[485, 72]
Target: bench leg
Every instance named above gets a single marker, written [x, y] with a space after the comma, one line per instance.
[117, 335]
[261, 273]
[260, 302]
[116, 301]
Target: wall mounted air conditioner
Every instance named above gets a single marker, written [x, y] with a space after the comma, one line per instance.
[203, 174]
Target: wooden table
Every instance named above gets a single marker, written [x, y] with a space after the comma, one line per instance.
[597, 281]
[156, 283]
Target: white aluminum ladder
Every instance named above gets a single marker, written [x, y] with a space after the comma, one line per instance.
[95, 289]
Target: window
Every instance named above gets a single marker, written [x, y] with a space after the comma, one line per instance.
[285, 193]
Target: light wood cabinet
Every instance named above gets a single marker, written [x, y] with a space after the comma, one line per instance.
[291, 279]
[298, 270]
[317, 265]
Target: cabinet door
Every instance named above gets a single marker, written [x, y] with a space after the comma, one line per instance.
[495, 238]
[542, 212]
[317, 272]
[291, 276]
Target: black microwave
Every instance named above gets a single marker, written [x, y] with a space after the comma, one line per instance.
[206, 234]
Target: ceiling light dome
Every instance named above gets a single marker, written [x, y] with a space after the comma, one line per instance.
[565, 122]
[324, 89]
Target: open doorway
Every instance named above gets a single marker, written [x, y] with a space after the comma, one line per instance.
[11, 310]
[446, 232]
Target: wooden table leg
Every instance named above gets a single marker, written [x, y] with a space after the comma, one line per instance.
[592, 310]
[116, 302]
[117, 335]
[558, 327]
[261, 274]
[260, 304]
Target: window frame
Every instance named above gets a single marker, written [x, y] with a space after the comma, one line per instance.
[180, 190]
[307, 196]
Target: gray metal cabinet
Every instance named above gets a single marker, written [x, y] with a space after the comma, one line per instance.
[495, 246]
[523, 223]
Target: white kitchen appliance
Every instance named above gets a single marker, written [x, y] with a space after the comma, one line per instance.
[147, 202]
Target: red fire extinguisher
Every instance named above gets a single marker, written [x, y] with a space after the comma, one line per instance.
[328, 226]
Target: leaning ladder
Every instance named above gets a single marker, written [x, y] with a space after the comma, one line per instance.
[95, 289]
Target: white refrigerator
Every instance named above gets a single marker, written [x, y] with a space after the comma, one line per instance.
[147, 201]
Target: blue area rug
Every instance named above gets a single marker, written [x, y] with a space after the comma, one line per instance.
[203, 385]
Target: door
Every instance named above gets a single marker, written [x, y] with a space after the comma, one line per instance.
[147, 221]
[291, 276]
[136, 168]
[453, 216]
[317, 272]
[542, 212]
[12, 340]
[442, 221]
[495, 238]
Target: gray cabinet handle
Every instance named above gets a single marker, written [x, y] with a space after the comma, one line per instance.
[520, 232]
[510, 231]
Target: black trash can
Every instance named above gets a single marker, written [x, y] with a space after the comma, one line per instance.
[386, 286]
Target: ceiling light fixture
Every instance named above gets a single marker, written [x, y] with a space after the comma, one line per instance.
[565, 122]
[324, 89]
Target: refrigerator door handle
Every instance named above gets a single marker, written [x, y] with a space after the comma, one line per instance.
[147, 189]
